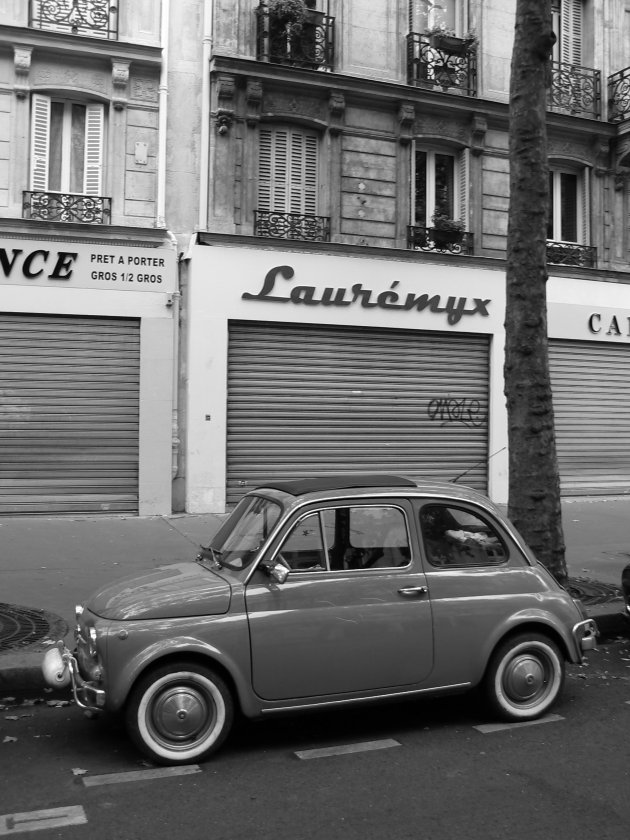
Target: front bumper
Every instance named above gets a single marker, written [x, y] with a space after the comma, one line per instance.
[60, 664]
[585, 634]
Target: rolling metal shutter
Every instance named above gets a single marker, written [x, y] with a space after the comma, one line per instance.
[591, 398]
[312, 400]
[69, 403]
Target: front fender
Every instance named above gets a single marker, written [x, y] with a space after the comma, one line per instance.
[123, 669]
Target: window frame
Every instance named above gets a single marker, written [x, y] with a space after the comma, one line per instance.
[345, 570]
[582, 202]
[460, 182]
[482, 517]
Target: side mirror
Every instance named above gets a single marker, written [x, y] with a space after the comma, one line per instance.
[277, 570]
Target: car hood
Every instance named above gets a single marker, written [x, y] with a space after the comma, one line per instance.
[176, 591]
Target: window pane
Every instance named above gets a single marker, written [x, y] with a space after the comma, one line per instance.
[56, 146]
[77, 149]
[457, 537]
[425, 14]
[569, 206]
[444, 185]
[303, 549]
[367, 537]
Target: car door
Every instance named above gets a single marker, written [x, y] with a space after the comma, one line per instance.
[354, 613]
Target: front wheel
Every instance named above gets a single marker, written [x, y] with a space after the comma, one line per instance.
[179, 713]
[524, 677]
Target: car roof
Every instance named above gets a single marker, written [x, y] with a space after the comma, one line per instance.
[365, 484]
[300, 486]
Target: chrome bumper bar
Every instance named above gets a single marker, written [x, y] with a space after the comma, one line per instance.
[85, 694]
[585, 634]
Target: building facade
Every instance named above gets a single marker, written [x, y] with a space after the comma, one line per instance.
[88, 270]
[327, 184]
[345, 292]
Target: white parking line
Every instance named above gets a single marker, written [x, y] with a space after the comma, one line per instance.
[35, 820]
[487, 728]
[346, 749]
[140, 775]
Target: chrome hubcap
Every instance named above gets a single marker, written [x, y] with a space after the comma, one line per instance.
[182, 713]
[525, 678]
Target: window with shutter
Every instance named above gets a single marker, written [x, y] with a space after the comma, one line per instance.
[288, 177]
[440, 186]
[567, 25]
[66, 146]
[568, 214]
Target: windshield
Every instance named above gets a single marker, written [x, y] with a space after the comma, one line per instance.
[239, 539]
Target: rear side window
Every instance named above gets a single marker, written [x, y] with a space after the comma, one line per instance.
[454, 536]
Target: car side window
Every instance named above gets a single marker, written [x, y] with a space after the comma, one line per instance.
[303, 550]
[366, 537]
[454, 536]
[348, 538]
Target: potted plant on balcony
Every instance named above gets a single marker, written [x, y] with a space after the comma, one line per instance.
[445, 231]
[288, 14]
[444, 39]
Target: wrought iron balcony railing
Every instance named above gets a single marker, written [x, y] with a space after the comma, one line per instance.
[291, 226]
[65, 207]
[96, 18]
[309, 44]
[570, 253]
[619, 96]
[575, 90]
[448, 65]
[443, 241]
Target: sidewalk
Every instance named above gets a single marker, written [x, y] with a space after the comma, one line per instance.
[51, 564]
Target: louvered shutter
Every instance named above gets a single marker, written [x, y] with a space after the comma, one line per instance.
[585, 190]
[464, 186]
[40, 139]
[571, 35]
[287, 171]
[94, 135]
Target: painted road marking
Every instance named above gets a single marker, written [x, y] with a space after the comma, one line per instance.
[346, 749]
[140, 775]
[35, 820]
[486, 728]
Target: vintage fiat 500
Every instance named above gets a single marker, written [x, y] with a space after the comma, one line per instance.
[325, 591]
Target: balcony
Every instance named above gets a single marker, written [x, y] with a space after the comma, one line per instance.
[96, 18]
[619, 96]
[448, 64]
[65, 207]
[291, 226]
[570, 253]
[308, 43]
[575, 90]
[440, 241]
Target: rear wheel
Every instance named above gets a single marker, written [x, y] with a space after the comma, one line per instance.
[524, 677]
[179, 713]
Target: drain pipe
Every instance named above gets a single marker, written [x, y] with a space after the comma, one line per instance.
[204, 159]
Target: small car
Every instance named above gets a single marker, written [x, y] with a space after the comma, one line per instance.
[320, 592]
[625, 589]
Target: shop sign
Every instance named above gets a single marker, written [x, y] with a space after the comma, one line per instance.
[393, 298]
[29, 263]
[616, 326]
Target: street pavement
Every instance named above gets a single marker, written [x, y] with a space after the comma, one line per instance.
[51, 564]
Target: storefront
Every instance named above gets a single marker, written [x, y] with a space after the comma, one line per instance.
[308, 363]
[87, 355]
[589, 357]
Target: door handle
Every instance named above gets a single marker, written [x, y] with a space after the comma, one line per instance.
[413, 590]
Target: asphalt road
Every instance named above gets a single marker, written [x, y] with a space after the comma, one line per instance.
[408, 770]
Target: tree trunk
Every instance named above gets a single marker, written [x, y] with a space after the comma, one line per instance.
[534, 483]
